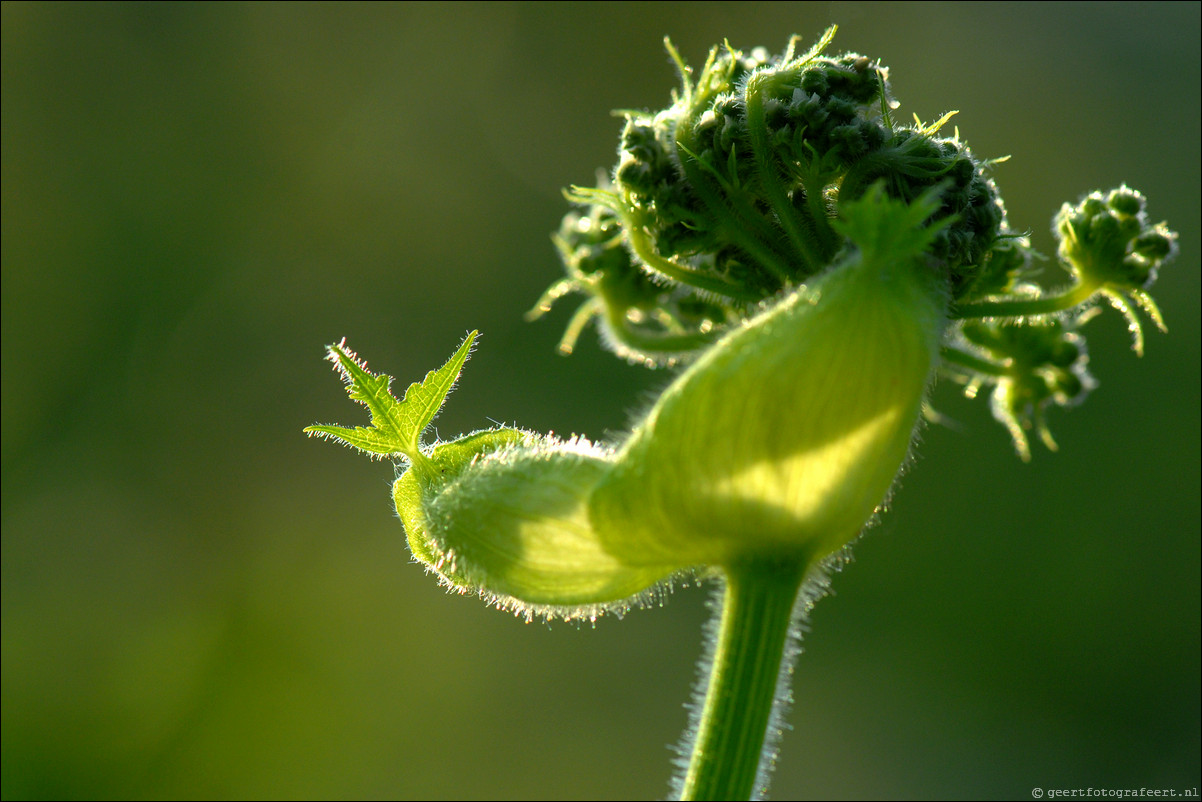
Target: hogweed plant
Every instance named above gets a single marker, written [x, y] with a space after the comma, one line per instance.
[814, 264]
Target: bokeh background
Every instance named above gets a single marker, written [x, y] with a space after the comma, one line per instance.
[200, 602]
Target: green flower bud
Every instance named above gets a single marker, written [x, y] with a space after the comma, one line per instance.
[1111, 249]
[1126, 201]
[1040, 364]
[1000, 270]
[776, 229]
[730, 194]
[1108, 243]
[1156, 244]
[639, 317]
[766, 178]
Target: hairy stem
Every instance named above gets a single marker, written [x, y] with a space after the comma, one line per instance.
[816, 204]
[658, 343]
[757, 612]
[1024, 307]
[972, 362]
[641, 244]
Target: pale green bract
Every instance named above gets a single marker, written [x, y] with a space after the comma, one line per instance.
[501, 512]
[784, 437]
[719, 472]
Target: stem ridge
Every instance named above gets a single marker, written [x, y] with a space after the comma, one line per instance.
[752, 643]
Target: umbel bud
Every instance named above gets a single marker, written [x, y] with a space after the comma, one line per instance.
[1108, 241]
[731, 196]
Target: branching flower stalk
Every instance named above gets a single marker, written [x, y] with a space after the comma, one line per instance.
[814, 265]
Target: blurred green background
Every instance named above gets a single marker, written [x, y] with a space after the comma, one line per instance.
[198, 601]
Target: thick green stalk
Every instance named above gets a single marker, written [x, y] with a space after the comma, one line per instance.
[757, 613]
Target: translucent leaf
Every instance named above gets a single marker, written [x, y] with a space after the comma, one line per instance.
[396, 426]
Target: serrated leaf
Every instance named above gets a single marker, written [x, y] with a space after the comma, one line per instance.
[396, 426]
